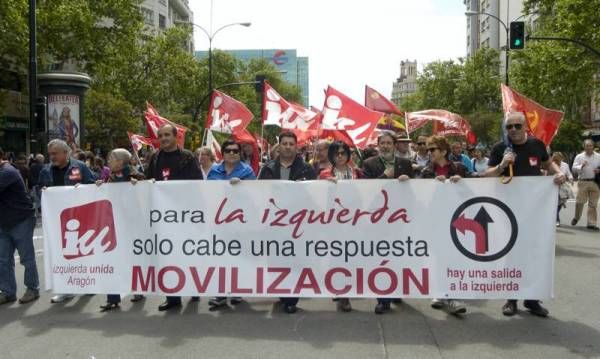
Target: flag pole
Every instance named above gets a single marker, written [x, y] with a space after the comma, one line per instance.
[203, 138]
[137, 157]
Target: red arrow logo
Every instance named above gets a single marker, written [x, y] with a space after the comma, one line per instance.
[463, 224]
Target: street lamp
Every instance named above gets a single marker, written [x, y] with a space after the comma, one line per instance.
[472, 13]
[211, 36]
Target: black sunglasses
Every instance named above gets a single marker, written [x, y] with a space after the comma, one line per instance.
[421, 143]
[431, 149]
[517, 126]
[235, 151]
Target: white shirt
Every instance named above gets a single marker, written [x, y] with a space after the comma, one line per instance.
[421, 161]
[564, 168]
[480, 166]
[587, 171]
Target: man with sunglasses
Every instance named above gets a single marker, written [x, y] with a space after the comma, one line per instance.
[171, 163]
[232, 168]
[528, 156]
[421, 157]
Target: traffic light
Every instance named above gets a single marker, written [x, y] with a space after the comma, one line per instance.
[517, 35]
[40, 114]
[260, 81]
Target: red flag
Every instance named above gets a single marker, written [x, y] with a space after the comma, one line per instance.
[279, 112]
[137, 141]
[154, 121]
[445, 123]
[214, 145]
[376, 101]
[226, 114]
[244, 136]
[342, 113]
[542, 122]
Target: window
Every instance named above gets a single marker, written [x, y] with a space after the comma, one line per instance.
[162, 21]
[148, 16]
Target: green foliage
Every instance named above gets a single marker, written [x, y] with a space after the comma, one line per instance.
[468, 87]
[107, 120]
[568, 139]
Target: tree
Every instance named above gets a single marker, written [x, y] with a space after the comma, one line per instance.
[86, 31]
[107, 120]
[469, 87]
[561, 75]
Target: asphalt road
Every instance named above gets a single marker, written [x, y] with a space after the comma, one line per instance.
[257, 329]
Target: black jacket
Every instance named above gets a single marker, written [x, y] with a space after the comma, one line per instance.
[374, 168]
[188, 168]
[299, 171]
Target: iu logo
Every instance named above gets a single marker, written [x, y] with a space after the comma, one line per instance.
[87, 229]
[488, 229]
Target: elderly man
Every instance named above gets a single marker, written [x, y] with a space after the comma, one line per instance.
[587, 166]
[16, 233]
[63, 171]
[528, 156]
[171, 163]
[403, 147]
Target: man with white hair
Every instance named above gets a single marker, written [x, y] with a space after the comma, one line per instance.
[63, 171]
[528, 156]
[587, 166]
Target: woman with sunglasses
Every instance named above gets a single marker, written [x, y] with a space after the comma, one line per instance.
[441, 168]
[232, 168]
[340, 169]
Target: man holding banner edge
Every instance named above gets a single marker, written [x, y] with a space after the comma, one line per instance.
[529, 157]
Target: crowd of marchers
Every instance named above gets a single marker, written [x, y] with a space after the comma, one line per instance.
[23, 181]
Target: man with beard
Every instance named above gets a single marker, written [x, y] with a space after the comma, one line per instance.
[63, 171]
[387, 166]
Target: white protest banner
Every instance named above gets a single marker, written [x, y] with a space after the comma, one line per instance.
[476, 238]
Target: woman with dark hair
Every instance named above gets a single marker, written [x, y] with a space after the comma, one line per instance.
[339, 156]
[101, 171]
[441, 168]
[233, 169]
[340, 169]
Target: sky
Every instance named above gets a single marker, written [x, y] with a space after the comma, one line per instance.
[349, 43]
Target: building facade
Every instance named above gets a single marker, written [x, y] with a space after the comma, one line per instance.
[294, 69]
[14, 111]
[406, 84]
[160, 15]
[484, 31]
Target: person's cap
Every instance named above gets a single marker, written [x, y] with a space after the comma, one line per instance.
[402, 137]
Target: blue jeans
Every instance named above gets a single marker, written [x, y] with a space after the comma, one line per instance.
[19, 238]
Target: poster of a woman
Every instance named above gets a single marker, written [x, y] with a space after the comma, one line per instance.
[67, 126]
